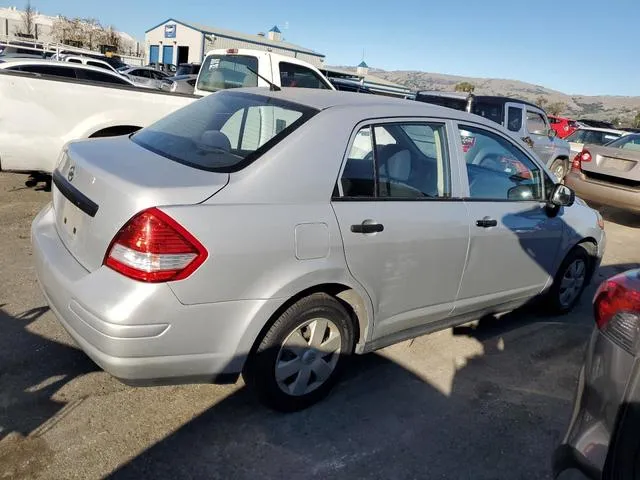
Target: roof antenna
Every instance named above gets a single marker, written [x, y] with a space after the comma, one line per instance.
[272, 86]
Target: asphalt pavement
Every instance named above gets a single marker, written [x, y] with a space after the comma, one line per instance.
[485, 401]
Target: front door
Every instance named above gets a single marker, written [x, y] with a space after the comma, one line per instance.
[405, 241]
[538, 131]
[514, 242]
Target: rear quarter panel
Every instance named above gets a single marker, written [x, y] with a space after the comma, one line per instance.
[39, 115]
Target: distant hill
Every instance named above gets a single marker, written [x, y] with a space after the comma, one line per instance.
[595, 107]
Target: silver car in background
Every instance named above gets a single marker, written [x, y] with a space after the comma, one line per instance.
[179, 84]
[275, 233]
[144, 77]
[603, 440]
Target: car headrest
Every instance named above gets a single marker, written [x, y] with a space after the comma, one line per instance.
[399, 165]
[215, 139]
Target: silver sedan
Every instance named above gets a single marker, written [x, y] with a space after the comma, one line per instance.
[276, 233]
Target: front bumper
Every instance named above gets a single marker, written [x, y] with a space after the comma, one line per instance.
[139, 332]
[603, 193]
[599, 396]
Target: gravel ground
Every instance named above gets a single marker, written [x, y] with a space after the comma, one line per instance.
[483, 402]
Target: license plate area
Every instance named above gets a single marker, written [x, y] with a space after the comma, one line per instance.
[618, 164]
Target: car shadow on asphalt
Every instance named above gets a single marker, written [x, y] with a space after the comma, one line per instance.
[621, 217]
[32, 370]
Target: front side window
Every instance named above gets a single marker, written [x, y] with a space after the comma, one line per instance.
[220, 72]
[397, 161]
[514, 119]
[293, 75]
[224, 132]
[498, 170]
[536, 123]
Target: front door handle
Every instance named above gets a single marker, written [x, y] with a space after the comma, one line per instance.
[367, 228]
[486, 222]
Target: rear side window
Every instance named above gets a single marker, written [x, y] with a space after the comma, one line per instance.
[74, 60]
[293, 75]
[220, 72]
[514, 119]
[224, 132]
[397, 161]
[491, 111]
[55, 70]
[93, 76]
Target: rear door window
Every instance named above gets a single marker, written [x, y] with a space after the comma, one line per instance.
[220, 72]
[293, 75]
[224, 132]
[55, 70]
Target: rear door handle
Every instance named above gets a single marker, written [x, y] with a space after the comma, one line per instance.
[367, 228]
[486, 222]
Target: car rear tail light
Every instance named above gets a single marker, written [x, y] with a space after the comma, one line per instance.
[583, 156]
[617, 310]
[153, 247]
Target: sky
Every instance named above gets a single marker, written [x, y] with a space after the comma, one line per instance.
[576, 47]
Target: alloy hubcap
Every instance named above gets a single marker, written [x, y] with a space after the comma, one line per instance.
[308, 357]
[572, 282]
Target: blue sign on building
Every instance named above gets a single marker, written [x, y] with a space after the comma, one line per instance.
[170, 31]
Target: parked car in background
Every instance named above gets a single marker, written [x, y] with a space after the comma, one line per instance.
[587, 122]
[93, 62]
[333, 270]
[602, 440]
[523, 119]
[45, 104]
[144, 76]
[609, 174]
[167, 68]
[348, 85]
[179, 84]
[188, 69]
[234, 68]
[563, 126]
[592, 136]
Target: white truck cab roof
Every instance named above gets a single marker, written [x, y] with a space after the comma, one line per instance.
[237, 67]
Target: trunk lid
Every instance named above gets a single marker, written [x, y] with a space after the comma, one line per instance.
[100, 184]
[613, 165]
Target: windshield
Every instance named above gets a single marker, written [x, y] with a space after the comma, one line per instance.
[628, 142]
[220, 72]
[223, 132]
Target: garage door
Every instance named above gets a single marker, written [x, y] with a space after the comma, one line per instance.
[153, 53]
[167, 55]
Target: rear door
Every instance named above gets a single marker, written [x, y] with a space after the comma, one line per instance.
[405, 238]
[514, 242]
[538, 131]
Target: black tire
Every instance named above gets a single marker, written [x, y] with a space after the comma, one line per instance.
[561, 166]
[260, 369]
[553, 301]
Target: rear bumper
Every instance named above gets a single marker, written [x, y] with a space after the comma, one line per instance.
[140, 333]
[599, 396]
[603, 193]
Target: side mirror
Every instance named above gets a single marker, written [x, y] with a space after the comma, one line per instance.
[562, 196]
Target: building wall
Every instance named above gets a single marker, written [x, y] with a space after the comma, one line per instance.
[11, 22]
[185, 37]
[224, 42]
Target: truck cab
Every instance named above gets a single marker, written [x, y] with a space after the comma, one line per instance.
[240, 67]
[521, 118]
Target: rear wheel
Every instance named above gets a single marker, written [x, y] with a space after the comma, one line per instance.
[570, 281]
[559, 168]
[302, 355]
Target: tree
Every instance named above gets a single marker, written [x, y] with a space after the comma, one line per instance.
[541, 101]
[92, 32]
[28, 27]
[465, 87]
[112, 38]
[636, 120]
[556, 108]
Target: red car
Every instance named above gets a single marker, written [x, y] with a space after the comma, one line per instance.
[563, 126]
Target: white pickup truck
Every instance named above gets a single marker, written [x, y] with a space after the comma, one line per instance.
[42, 110]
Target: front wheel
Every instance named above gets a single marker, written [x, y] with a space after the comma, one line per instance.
[570, 281]
[301, 356]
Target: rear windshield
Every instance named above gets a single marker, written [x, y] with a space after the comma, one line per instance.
[455, 103]
[223, 132]
[220, 72]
